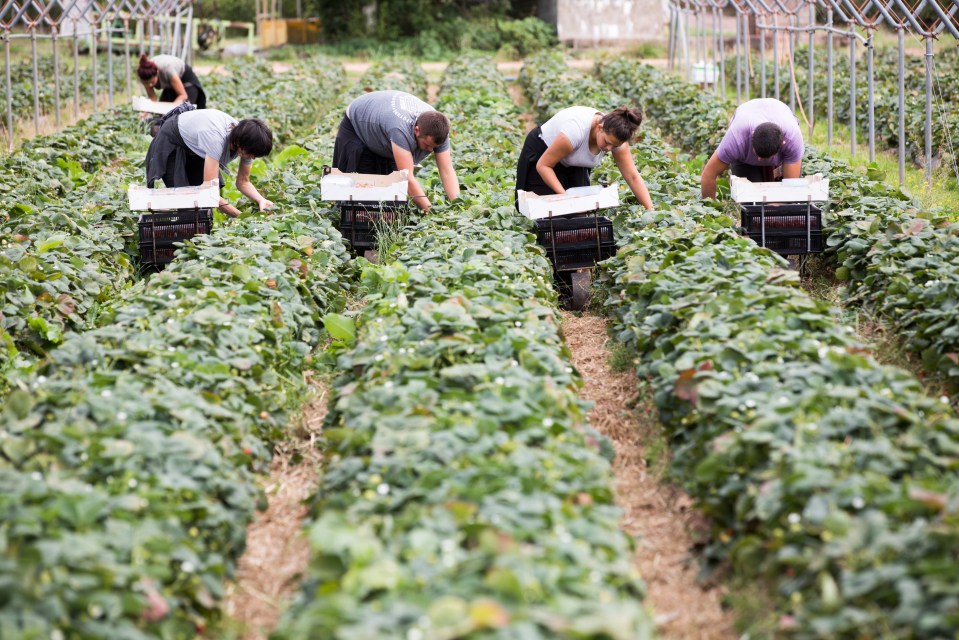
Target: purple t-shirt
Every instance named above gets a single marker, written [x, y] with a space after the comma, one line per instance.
[737, 144]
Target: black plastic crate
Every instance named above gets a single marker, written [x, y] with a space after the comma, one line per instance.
[359, 220]
[785, 225]
[576, 243]
[160, 230]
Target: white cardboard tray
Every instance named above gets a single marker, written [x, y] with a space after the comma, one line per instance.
[814, 187]
[145, 104]
[206, 196]
[575, 200]
[364, 187]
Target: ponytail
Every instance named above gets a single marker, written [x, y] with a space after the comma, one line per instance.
[147, 68]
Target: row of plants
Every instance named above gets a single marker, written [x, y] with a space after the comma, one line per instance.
[826, 475]
[898, 260]
[463, 493]
[70, 252]
[128, 460]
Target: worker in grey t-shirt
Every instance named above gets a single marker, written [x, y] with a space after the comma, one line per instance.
[762, 144]
[386, 131]
[193, 146]
[559, 154]
[173, 77]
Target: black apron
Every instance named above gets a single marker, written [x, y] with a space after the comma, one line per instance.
[194, 91]
[528, 178]
[350, 155]
[170, 160]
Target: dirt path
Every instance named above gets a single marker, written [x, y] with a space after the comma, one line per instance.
[277, 552]
[658, 513]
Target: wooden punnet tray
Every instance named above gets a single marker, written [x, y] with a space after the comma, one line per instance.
[575, 200]
[206, 196]
[815, 188]
[364, 187]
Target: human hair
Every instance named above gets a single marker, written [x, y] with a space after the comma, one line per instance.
[252, 136]
[622, 122]
[435, 125]
[147, 69]
[767, 139]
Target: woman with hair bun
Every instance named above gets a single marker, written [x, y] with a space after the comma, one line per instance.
[176, 80]
[559, 154]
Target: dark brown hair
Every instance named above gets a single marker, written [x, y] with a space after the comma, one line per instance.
[147, 68]
[252, 136]
[435, 125]
[767, 139]
[622, 122]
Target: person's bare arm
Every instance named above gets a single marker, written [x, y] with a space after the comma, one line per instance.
[451, 184]
[404, 160]
[246, 187]
[560, 148]
[177, 85]
[707, 180]
[624, 160]
[792, 170]
[148, 87]
[211, 171]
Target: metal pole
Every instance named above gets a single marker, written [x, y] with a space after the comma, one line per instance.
[775, 59]
[928, 110]
[56, 72]
[872, 99]
[6, 57]
[739, 80]
[792, 65]
[126, 57]
[686, 46]
[36, 80]
[902, 104]
[810, 110]
[746, 38]
[717, 39]
[829, 80]
[110, 62]
[94, 28]
[722, 56]
[76, 71]
[762, 58]
[852, 90]
[672, 35]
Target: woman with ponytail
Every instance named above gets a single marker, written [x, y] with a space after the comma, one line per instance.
[559, 154]
[176, 80]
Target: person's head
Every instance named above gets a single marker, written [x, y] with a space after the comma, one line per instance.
[431, 130]
[251, 137]
[618, 127]
[147, 71]
[768, 139]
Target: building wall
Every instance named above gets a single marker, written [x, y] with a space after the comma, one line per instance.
[605, 22]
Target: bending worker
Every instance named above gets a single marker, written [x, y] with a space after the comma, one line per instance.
[175, 78]
[386, 131]
[193, 146]
[763, 144]
[559, 154]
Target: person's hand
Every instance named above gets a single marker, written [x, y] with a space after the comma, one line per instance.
[144, 115]
[265, 204]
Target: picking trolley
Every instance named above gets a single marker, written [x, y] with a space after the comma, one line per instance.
[781, 216]
[576, 237]
[368, 204]
[170, 216]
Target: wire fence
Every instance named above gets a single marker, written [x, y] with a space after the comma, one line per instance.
[784, 37]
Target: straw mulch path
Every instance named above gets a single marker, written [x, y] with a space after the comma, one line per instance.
[659, 514]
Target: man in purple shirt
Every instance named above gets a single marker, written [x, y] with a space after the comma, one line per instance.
[763, 144]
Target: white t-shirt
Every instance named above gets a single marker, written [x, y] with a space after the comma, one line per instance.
[206, 132]
[574, 123]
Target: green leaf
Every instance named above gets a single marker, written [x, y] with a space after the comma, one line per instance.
[340, 327]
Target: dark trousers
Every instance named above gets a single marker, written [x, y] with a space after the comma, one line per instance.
[528, 178]
[350, 155]
[754, 173]
[194, 91]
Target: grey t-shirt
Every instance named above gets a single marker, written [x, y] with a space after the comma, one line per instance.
[167, 67]
[381, 118]
[206, 133]
[574, 123]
